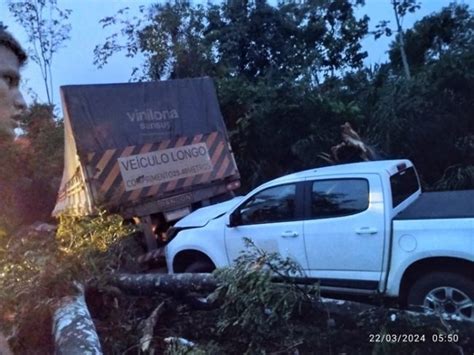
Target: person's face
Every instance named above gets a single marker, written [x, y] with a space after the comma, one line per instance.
[11, 100]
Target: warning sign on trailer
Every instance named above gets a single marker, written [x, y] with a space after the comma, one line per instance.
[143, 170]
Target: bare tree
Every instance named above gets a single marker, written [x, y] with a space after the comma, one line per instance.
[400, 9]
[47, 28]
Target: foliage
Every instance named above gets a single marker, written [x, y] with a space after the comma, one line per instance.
[400, 9]
[289, 75]
[258, 316]
[433, 112]
[255, 310]
[172, 41]
[44, 162]
[178, 349]
[436, 35]
[169, 40]
[47, 29]
[291, 41]
[250, 38]
[427, 119]
[457, 177]
[255, 315]
[95, 241]
[265, 60]
[11, 159]
[30, 169]
[37, 268]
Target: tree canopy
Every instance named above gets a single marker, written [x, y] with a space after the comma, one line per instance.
[290, 74]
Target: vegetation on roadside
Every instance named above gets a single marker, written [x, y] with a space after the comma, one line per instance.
[30, 170]
[249, 312]
[39, 267]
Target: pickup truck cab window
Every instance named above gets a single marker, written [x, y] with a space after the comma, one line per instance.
[276, 204]
[403, 184]
[273, 219]
[339, 197]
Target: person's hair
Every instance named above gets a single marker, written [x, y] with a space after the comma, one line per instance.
[8, 41]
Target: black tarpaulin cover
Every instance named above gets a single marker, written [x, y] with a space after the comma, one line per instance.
[119, 115]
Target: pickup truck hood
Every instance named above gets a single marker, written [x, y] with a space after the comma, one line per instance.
[203, 215]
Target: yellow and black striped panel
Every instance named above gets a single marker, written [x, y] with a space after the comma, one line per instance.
[109, 185]
[72, 198]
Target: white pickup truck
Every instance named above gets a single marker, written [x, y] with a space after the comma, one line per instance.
[357, 228]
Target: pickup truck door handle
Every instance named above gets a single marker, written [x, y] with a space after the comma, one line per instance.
[289, 234]
[366, 230]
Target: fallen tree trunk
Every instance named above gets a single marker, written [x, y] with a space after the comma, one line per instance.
[339, 307]
[149, 284]
[73, 329]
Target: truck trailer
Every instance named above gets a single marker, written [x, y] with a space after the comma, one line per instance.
[149, 151]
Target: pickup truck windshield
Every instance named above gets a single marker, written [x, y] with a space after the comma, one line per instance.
[404, 184]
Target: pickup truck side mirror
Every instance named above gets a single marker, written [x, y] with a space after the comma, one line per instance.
[235, 219]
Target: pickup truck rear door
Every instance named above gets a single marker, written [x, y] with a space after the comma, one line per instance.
[344, 231]
[273, 220]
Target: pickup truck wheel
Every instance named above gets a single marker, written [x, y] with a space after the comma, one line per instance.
[200, 266]
[444, 293]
